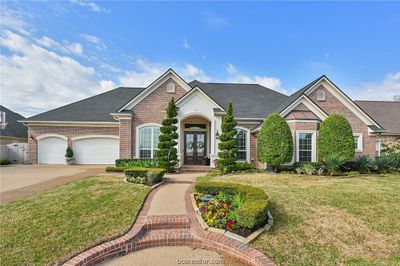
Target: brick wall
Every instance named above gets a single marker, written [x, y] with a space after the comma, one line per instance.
[253, 143]
[125, 139]
[151, 109]
[67, 131]
[332, 105]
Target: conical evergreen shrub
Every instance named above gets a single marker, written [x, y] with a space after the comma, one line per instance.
[228, 146]
[167, 153]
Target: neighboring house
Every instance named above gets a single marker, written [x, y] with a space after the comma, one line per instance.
[13, 131]
[125, 122]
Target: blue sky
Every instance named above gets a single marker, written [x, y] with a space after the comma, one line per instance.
[54, 53]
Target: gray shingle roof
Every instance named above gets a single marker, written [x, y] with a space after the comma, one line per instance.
[94, 109]
[387, 114]
[249, 100]
[13, 128]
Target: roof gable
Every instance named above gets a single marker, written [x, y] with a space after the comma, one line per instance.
[169, 74]
[13, 128]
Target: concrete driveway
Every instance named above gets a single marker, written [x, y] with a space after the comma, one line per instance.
[18, 181]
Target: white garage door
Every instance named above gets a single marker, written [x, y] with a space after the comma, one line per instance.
[96, 150]
[51, 150]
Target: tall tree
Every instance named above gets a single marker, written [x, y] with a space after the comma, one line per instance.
[335, 139]
[228, 145]
[274, 142]
[167, 153]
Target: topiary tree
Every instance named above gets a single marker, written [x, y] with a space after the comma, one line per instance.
[228, 145]
[167, 153]
[275, 142]
[335, 139]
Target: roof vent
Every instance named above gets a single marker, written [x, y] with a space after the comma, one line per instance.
[171, 87]
[320, 95]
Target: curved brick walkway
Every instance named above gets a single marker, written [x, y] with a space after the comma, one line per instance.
[163, 221]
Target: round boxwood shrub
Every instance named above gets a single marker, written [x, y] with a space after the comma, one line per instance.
[275, 142]
[335, 139]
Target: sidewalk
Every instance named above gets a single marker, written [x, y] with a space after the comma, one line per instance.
[167, 225]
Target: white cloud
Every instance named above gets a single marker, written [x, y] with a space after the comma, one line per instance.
[383, 90]
[35, 79]
[90, 5]
[66, 47]
[185, 44]
[94, 40]
[214, 20]
[191, 72]
[12, 19]
[238, 77]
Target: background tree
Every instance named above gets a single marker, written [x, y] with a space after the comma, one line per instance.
[167, 153]
[228, 145]
[275, 142]
[335, 139]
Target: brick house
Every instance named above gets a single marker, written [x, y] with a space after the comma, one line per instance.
[125, 122]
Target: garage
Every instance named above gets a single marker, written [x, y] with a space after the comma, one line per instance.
[95, 149]
[51, 149]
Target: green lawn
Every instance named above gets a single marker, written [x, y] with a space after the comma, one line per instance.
[330, 220]
[49, 227]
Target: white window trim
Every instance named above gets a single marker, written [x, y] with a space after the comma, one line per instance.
[360, 141]
[247, 143]
[138, 138]
[321, 95]
[313, 143]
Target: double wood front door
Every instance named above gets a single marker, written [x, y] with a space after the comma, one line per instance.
[195, 147]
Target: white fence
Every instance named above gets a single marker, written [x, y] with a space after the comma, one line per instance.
[14, 152]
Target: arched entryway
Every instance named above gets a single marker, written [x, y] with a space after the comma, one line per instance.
[195, 140]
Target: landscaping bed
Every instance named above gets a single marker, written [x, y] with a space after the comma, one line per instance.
[237, 208]
[50, 227]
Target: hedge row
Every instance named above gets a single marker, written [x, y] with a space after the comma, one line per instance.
[115, 169]
[254, 210]
[147, 163]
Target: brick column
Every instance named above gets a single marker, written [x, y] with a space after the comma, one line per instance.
[125, 138]
[32, 149]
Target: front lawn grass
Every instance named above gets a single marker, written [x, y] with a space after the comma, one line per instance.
[329, 220]
[49, 227]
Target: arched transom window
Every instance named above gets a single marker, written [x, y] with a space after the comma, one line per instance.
[148, 141]
[242, 144]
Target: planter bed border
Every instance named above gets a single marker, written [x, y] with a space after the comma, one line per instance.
[245, 240]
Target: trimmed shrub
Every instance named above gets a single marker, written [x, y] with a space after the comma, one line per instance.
[301, 164]
[155, 175]
[335, 139]
[148, 176]
[275, 142]
[69, 153]
[253, 212]
[4, 162]
[167, 154]
[244, 167]
[136, 172]
[146, 163]
[228, 145]
[115, 169]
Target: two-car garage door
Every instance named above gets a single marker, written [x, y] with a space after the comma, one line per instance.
[89, 150]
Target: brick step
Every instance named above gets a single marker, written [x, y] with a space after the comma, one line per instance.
[196, 169]
[163, 237]
[156, 222]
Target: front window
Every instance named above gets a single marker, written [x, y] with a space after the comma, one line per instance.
[148, 141]
[242, 145]
[305, 147]
[358, 142]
